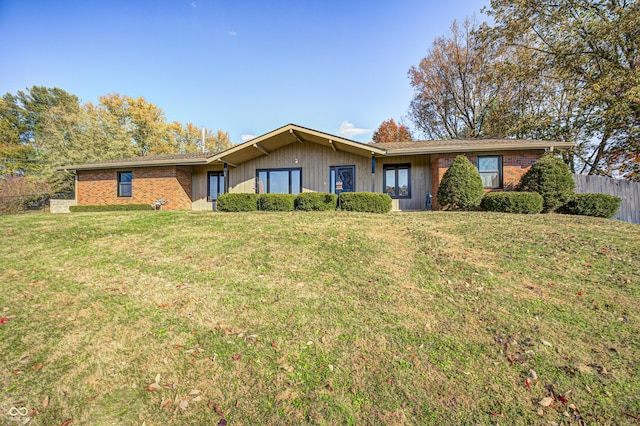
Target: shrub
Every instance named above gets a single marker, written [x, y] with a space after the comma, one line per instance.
[512, 202]
[598, 205]
[461, 186]
[321, 201]
[110, 208]
[551, 178]
[237, 203]
[365, 202]
[276, 202]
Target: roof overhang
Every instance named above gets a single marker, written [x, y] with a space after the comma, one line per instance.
[458, 147]
[291, 134]
[133, 163]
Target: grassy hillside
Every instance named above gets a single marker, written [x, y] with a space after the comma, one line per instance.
[329, 318]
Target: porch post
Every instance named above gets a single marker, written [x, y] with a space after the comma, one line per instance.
[373, 173]
[226, 178]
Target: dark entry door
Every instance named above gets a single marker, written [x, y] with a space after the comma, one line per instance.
[342, 179]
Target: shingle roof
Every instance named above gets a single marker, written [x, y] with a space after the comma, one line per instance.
[144, 160]
[452, 145]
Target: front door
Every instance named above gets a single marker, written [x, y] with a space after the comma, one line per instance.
[342, 179]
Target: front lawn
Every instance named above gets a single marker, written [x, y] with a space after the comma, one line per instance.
[324, 318]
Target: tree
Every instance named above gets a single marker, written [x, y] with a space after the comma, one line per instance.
[455, 86]
[144, 122]
[461, 186]
[389, 131]
[594, 46]
[218, 142]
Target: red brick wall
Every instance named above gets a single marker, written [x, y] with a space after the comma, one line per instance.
[99, 187]
[514, 165]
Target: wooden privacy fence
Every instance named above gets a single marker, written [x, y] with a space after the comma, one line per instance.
[627, 190]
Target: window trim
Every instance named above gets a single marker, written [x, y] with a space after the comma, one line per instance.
[219, 173]
[281, 169]
[120, 184]
[500, 171]
[396, 167]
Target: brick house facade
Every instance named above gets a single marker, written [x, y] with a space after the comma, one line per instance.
[171, 183]
[514, 165]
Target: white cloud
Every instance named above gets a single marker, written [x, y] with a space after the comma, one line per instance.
[247, 137]
[349, 130]
[232, 33]
[194, 5]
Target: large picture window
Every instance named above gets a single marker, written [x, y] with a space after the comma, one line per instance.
[279, 181]
[124, 184]
[215, 185]
[490, 168]
[397, 180]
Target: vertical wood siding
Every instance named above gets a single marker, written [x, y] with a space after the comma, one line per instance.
[313, 159]
[199, 186]
[420, 180]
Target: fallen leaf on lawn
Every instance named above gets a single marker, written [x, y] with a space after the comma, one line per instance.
[196, 399]
[45, 402]
[544, 342]
[533, 375]
[546, 401]
[153, 387]
[236, 357]
[288, 368]
[218, 410]
[183, 404]
[66, 422]
[222, 422]
[194, 392]
[92, 398]
[33, 412]
[37, 367]
[158, 377]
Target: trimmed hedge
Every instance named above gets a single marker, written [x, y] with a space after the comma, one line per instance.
[512, 202]
[461, 186]
[597, 205]
[237, 202]
[318, 201]
[551, 178]
[276, 202]
[110, 208]
[365, 202]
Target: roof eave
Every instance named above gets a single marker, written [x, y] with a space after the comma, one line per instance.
[463, 148]
[135, 164]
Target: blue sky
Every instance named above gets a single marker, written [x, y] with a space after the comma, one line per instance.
[246, 67]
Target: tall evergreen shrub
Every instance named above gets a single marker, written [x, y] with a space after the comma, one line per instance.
[551, 178]
[461, 186]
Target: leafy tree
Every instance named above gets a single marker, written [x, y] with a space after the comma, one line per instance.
[218, 142]
[455, 86]
[389, 131]
[461, 186]
[594, 46]
[551, 178]
[144, 122]
[16, 154]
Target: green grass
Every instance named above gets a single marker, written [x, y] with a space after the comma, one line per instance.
[321, 318]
